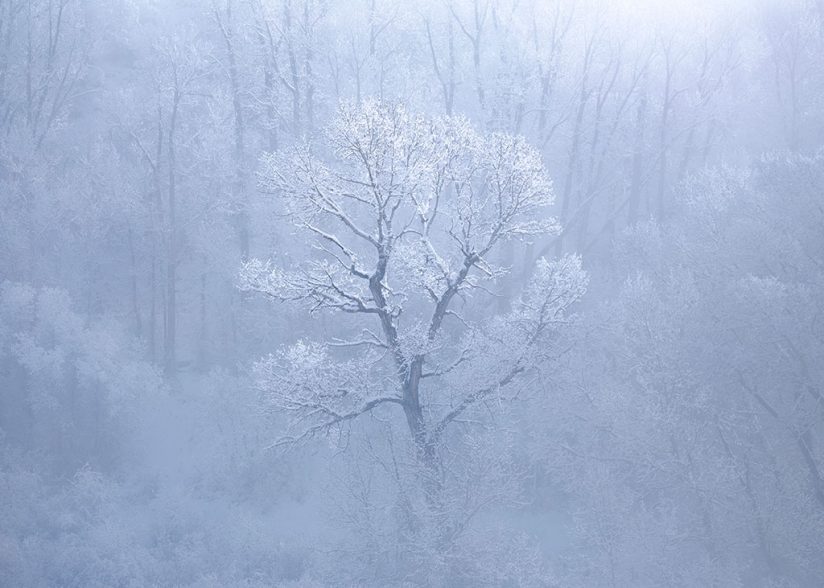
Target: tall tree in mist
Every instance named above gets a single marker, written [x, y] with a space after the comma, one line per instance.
[406, 219]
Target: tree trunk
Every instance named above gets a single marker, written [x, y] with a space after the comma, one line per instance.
[170, 339]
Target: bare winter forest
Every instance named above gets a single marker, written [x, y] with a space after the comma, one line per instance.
[411, 293]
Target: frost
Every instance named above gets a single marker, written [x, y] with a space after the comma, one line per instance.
[406, 220]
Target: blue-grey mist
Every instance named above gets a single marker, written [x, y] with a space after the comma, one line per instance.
[450, 293]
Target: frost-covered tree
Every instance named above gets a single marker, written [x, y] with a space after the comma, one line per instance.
[406, 214]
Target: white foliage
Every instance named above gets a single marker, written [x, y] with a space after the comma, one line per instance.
[304, 381]
[555, 286]
[406, 216]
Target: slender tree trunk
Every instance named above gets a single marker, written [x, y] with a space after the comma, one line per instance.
[239, 182]
[203, 339]
[574, 152]
[153, 304]
[662, 151]
[293, 67]
[636, 179]
[170, 341]
[270, 73]
[138, 322]
[307, 67]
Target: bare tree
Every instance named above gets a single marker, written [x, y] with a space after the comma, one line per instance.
[405, 221]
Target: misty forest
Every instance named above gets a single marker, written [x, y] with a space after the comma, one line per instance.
[441, 293]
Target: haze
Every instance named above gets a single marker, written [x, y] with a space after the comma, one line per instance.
[411, 293]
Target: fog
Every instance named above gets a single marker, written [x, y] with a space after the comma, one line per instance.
[411, 293]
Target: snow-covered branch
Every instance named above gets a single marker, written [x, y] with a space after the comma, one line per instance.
[406, 218]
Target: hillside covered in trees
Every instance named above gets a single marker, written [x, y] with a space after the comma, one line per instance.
[411, 293]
